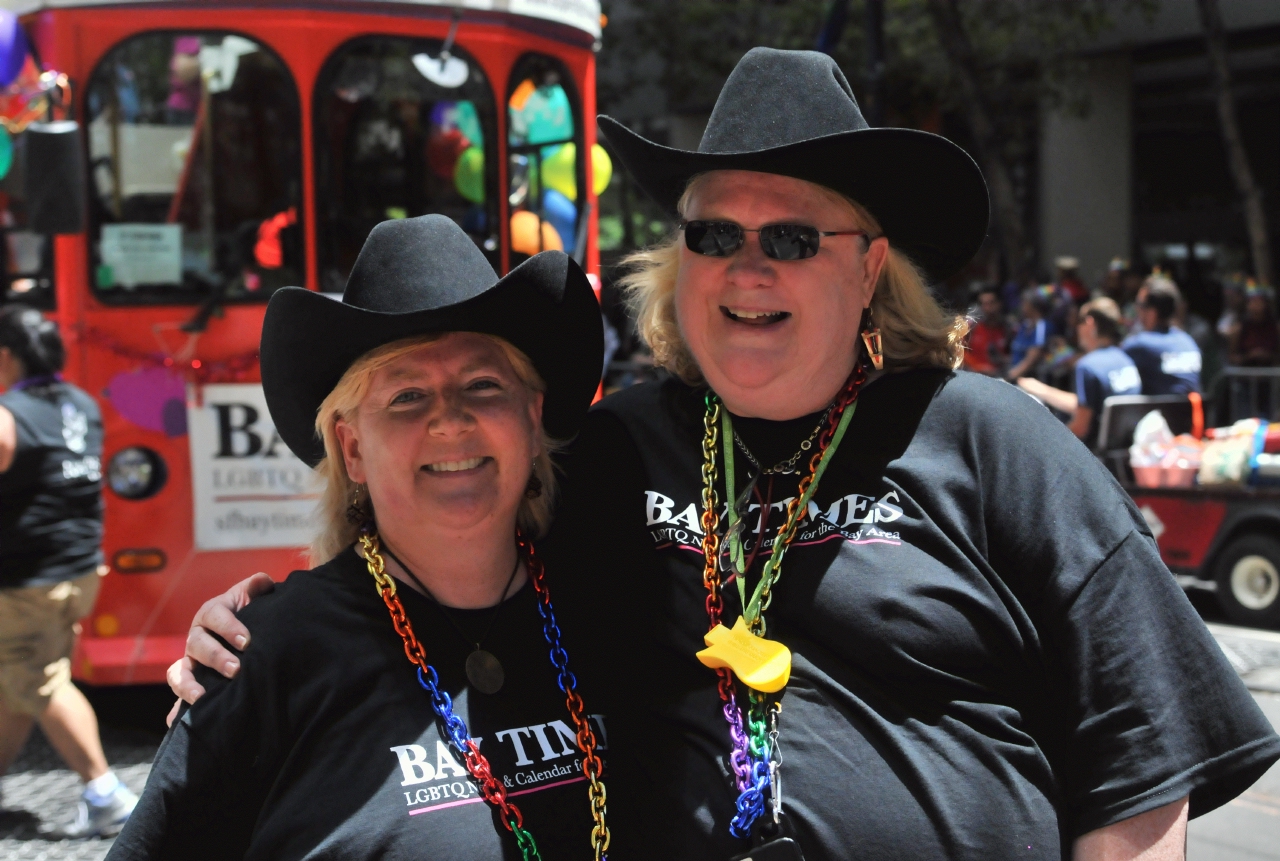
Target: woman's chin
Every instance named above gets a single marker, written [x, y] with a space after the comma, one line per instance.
[462, 510]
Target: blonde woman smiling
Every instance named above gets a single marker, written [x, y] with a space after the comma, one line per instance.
[395, 692]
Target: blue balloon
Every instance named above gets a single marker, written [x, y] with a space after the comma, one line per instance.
[13, 48]
[475, 221]
[563, 215]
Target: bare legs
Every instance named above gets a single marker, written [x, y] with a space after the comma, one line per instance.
[71, 727]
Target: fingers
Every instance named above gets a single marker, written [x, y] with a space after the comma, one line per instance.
[258, 584]
[183, 682]
[219, 616]
[204, 649]
[173, 712]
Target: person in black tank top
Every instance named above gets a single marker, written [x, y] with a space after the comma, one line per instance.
[50, 561]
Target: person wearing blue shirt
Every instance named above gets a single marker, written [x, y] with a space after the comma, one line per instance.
[1167, 357]
[1103, 371]
[1028, 345]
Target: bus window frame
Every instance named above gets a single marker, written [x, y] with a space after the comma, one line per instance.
[93, 228]
[570, 86]
[322, 187]
[16, 175]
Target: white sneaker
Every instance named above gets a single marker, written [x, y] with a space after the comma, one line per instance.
[101, 820]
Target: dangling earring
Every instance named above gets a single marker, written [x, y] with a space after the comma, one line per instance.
[533, 489]
[355, 511]
[871, 338]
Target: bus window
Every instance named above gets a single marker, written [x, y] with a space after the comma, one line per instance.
[26, 258]
[195, 171]
[400, 133]
[544, 171]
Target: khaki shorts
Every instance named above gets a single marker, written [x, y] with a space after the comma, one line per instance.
[38, 628]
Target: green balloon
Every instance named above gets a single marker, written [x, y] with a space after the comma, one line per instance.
[559, 169]
[468, 175]
[6, 152]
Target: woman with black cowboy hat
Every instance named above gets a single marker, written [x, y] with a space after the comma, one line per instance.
[848, 601]
[411, 695]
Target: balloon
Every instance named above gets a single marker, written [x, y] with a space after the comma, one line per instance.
[442, 114]
[559, 170]
[547, 116]
[524, 234]
[601, 169]
[468, 175]
[444, 147]
[468, 122]
[561, 214]
[475, 220]
[521, 95]
[6, 152]
[13, 47]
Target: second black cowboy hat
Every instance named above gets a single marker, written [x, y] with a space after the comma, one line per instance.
[422, 275]
[792, 113]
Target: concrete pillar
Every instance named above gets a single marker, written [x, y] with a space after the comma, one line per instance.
[1085, 193]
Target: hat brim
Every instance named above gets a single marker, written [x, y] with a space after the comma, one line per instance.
[927, 193]
[545, 307]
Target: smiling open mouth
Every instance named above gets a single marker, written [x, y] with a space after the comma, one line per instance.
[754, 318]
[455, 465]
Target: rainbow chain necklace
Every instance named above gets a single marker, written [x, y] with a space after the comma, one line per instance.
[456, 730]
[753, 732]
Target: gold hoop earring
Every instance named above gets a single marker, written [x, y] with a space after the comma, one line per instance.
[872, 340]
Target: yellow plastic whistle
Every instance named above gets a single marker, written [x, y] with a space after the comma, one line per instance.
[763, 665]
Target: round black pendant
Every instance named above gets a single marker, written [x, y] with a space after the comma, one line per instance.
[484, 672]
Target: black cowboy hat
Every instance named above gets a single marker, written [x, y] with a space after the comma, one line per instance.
[422, 275]
[792, 113]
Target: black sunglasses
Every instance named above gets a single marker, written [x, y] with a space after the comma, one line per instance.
[779, 241]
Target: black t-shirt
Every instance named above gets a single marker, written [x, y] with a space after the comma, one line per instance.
[51, 495]
[325, 745]
[989, 658]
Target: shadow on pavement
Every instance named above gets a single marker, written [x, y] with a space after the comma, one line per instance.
[40, 792]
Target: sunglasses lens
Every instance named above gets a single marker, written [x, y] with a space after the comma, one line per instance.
[789, 241]
[712, 238]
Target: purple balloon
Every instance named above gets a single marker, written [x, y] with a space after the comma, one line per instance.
[13, 48]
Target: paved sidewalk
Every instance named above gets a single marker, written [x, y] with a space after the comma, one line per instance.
[1254, 654]
[39, 791]
[1247, 828]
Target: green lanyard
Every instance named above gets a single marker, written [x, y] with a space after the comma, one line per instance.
[753, 610]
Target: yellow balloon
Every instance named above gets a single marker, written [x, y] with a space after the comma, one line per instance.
[524, 234]
[601, 169]
[559, 170]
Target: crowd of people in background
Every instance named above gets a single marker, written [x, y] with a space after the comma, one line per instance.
[1072, 347]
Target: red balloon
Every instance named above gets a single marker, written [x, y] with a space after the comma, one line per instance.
[443, 149]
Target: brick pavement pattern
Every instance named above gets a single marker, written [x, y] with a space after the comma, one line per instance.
[40, 791]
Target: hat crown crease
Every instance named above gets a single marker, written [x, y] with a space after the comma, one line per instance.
[417, 264]
[774, 98]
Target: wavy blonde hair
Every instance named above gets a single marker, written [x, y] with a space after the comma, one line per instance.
[916, 331]
[337, 531]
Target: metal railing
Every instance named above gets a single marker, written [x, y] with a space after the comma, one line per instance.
[1247, 393]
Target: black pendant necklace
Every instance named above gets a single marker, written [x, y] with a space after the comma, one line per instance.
[484, 670]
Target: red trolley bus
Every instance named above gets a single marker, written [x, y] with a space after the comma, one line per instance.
[232, 148]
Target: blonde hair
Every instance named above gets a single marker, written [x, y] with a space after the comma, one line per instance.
[916, 331]
[336, 529]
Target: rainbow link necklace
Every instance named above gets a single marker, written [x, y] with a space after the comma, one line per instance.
[456, 730]
[763, 666]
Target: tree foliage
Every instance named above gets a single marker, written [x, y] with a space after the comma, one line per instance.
[1028, 54]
